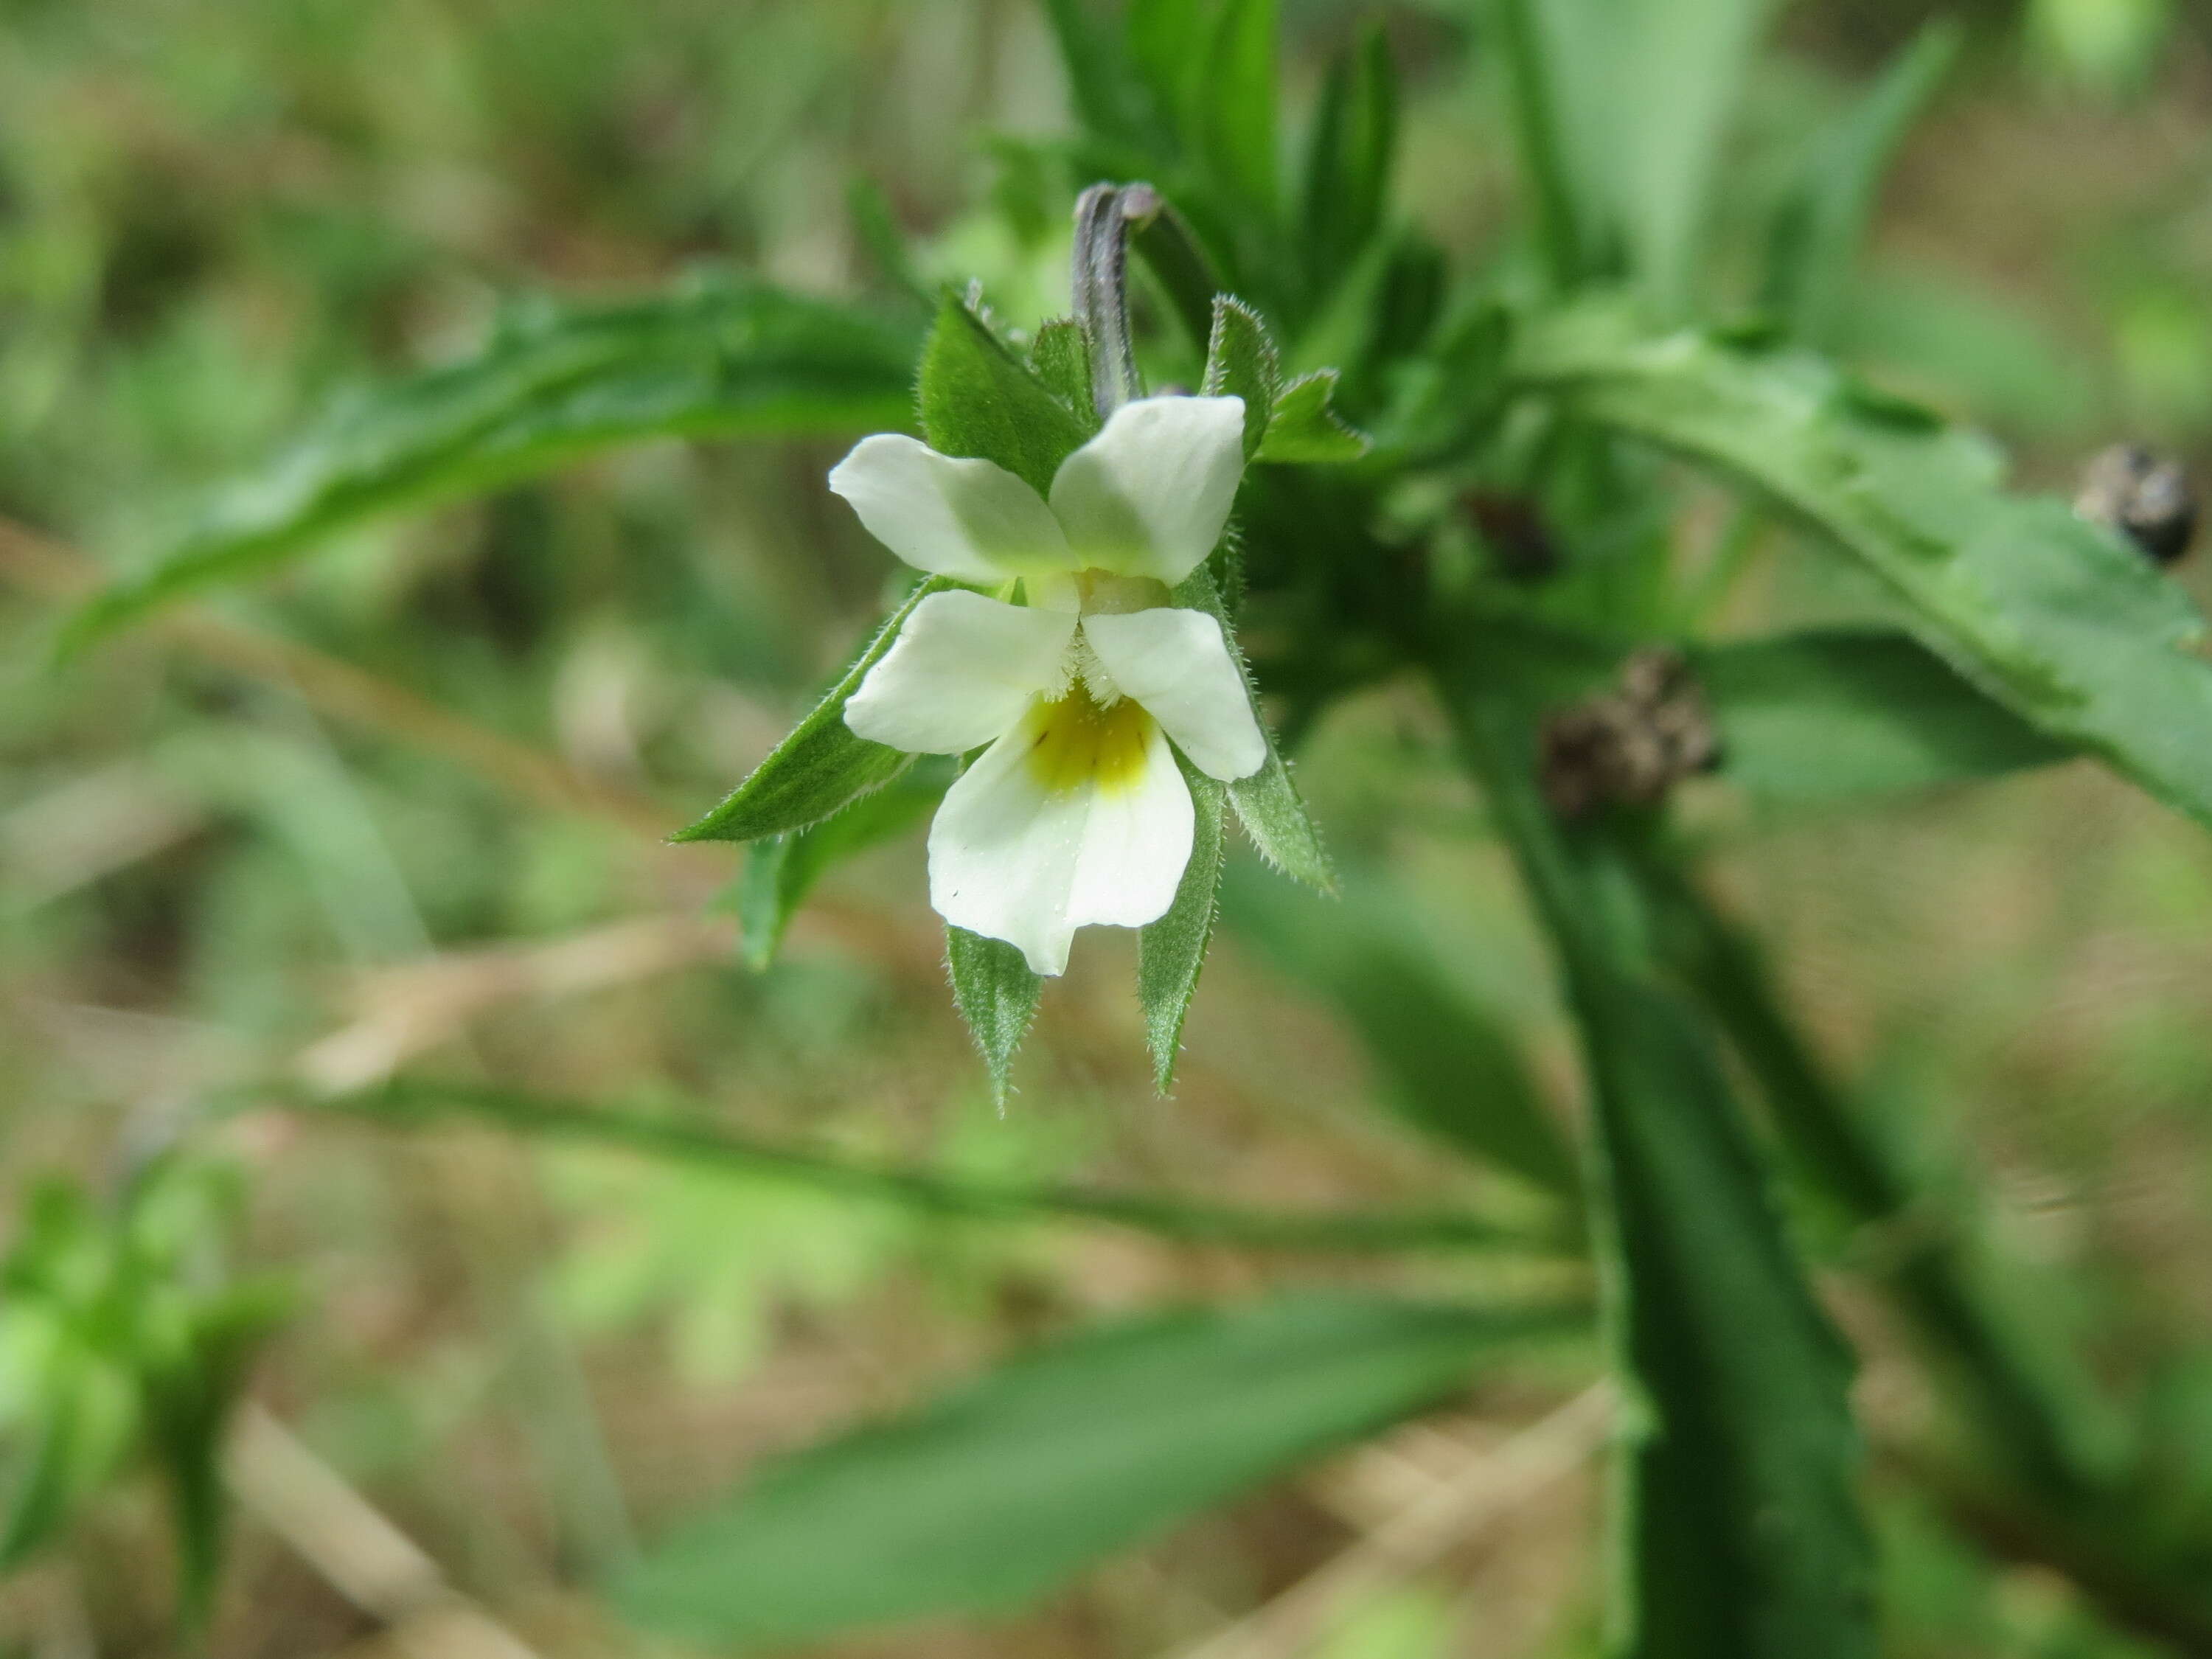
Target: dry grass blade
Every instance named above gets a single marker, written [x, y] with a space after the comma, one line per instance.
[365, 1558]
[1489, 1488]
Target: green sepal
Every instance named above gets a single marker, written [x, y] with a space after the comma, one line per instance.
[997, 995]
[1171, 951]
[978, 400]
[1303, 426]
[780, 871]
[1267, 803]
[822, 765]
[1060, 357]
[1242, 362]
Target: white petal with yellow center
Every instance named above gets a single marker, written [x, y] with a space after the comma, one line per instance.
[970, 519]
[1176, 664]
[961, 672]
[1148, 496]
[1078, 815]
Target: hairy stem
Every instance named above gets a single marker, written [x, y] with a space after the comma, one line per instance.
[415, 1101]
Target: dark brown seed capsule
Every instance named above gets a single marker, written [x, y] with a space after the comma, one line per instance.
[1630, 747]
[2148, 500]
[1514, 530]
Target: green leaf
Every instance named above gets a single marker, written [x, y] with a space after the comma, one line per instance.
[1304, 427]
[1813, 248]
[1740, 1536]
[2056, 618]
[1102, 84]
[822, 765]
[780, 871]
[1060, 357]
[1167, 41]
[997, 995]
[1000, 1493]
[729, 359]
[1268, 804]
[978, 400]
[1538, 64]
[1447, 1064]
[1622, 110]
[1171, 951]
[1355, 137]
[1241, 361]
[1837, 714]
[1236, 104]
[1671, 105]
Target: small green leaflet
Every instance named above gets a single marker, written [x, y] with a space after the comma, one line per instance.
[978, 400]
[2059, 619]
[780, 871]
[1002, 1492]
[718, 360]
[1171, 951]
[1304, 427]
[1293, 422]
[822, 765]
[1241, 361]
[997, 995]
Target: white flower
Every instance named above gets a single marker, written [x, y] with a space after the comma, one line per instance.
[1077, 812]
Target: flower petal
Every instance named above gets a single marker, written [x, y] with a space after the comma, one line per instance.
[1015, 860]
[1135, 844]
[972, 521]
[1149, 494]
[960, 674]
[1176, 664]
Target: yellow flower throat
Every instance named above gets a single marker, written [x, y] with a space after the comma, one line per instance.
[1075, 741]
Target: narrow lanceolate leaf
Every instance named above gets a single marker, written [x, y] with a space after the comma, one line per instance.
[1835, 714]
[1355, 139]
[822, 765]
[1741, 1537]
[1235, 105]
[1002, 1492]
[2056, 618]
[780, 871]
[1102, 85]
[1446, 1064]
[1268, 804]
[1060, 357]
[1304, 427]
[980, 400]
[729, 360]
[1171, 951]
[1167, 41]
[997, 995]
[1813, 252]
[1241, 361]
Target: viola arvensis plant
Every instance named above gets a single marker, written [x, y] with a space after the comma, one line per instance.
[1079, 672]
[1070, 645]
